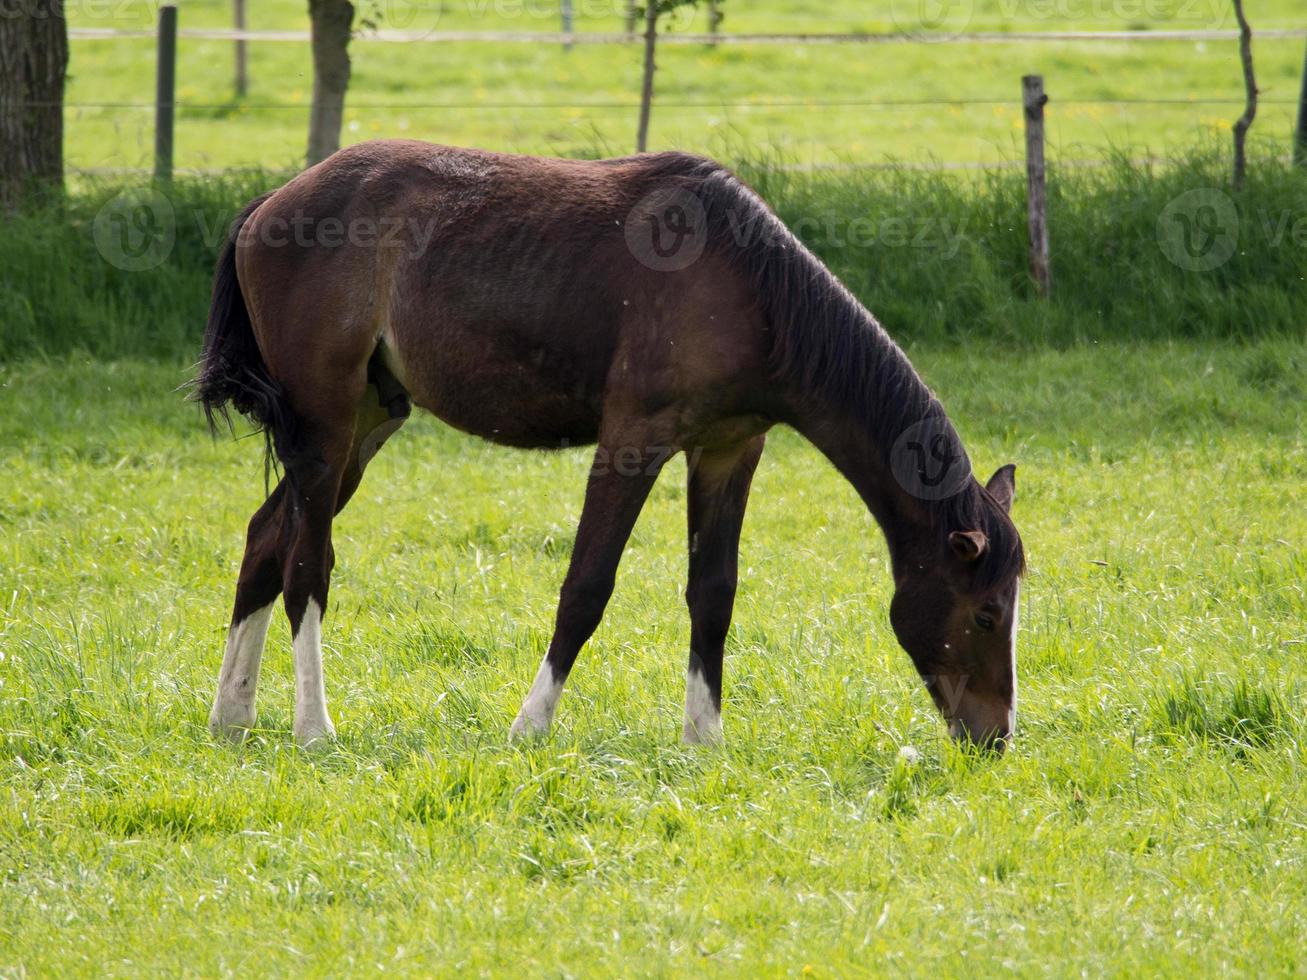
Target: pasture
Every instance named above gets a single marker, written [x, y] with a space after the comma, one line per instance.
[812, 104]
[1151, 814]
[1150, 817]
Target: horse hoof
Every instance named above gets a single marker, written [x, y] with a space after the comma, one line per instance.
[231, 726]
[524, 728]
[318, 736]
[709, 736]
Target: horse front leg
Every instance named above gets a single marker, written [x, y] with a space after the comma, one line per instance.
[625, 467]
[717, 494]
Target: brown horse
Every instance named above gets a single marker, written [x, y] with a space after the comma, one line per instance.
[651, 305]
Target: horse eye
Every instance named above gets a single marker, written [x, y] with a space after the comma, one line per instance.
[985, 621]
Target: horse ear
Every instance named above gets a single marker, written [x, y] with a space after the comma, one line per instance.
[1002, 486]
[968, 545]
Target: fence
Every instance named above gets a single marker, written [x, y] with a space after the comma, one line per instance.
[567, 39]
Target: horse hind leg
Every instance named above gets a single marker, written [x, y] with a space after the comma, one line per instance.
[384, 409]
[257, 588]
[323, 472]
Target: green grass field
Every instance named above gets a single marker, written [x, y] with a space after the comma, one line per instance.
[813, 103]
[1150, 817]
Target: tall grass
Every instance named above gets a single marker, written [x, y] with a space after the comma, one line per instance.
[936, 256]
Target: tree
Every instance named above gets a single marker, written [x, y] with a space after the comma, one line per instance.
[652, 11]
[33, 64]
[332, 23]
[1245, 121]
[1300, 136]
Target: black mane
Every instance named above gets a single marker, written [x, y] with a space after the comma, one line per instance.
[826, 343]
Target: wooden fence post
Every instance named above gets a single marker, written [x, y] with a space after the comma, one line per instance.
[1034, 99]
[1300, 140]
[630, 16]
[164, 91]
[567, 22]
[714, 20]
[242, 77]
[646, 86]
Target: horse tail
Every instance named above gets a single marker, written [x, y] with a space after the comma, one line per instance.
[232, 372]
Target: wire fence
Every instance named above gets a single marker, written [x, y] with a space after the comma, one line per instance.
[706, 105]
[677, 37]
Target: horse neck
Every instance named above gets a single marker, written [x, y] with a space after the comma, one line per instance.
[854, 421]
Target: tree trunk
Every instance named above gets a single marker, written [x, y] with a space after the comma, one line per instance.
[646, 87]
[242, 85]
[1250, 85]
[331, 24]
[1300, 137]
[33, 62]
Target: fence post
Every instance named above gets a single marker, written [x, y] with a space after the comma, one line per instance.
[242, 79]
[714, 20]
[1033, 98]
[630, 16]
[164, 91]
[567, 22]
[1300, 140]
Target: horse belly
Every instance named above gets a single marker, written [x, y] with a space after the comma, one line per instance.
[503, 387]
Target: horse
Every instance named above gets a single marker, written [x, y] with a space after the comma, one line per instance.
[649, 305]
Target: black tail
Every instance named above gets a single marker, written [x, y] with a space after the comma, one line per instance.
[231, 371]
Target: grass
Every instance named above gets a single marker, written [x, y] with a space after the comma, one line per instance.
[814, 104]
[1151, 814]
[936, 257]
[1150, 818]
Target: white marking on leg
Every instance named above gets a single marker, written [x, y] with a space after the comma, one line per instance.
[537, 712]
[1016, 614]
[233, 703]
[703, 722]
[312, 722]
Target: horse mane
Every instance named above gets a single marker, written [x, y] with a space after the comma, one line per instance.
[825, 343]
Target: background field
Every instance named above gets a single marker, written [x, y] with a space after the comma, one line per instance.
[813, 103]
[1150, 818]
[1151, 815]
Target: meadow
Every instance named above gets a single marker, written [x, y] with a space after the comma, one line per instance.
[1149, 818]
[813, 104]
